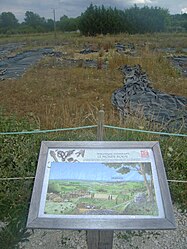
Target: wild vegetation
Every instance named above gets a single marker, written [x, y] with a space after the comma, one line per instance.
[51, 95]
[99, 20]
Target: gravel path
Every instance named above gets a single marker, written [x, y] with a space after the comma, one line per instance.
[174, 239]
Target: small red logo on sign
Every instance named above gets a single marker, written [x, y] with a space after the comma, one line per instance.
[144, 153]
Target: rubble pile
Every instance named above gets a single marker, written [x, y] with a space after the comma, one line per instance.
[137, 97]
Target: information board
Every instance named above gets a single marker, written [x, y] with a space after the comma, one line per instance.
[101, 185]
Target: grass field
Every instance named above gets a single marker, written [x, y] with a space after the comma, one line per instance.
[81, 197]
[56, 96]
[50, 95]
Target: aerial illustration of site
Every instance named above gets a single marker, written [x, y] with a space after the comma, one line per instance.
[101, 188]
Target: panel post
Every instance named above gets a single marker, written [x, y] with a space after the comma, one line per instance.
[100, 239]
[100, 125]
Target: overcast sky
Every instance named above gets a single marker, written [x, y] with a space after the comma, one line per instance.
[73, 8]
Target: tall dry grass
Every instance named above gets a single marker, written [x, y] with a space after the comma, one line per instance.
[57, 96]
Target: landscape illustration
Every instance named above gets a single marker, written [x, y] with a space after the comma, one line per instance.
[101, 189]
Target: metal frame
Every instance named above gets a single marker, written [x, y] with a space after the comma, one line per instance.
[101, 223]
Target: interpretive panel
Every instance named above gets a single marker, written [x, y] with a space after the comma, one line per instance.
[101, 185]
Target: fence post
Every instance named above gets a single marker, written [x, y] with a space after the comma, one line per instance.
[100, 125]
[100, 239]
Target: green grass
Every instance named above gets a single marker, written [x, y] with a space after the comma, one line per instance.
[123, 195]
[67, 208]
[63, 202]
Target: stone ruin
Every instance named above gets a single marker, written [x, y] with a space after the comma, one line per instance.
[138, 97]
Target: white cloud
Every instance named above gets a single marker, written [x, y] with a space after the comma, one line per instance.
[184, 10]
[141, 1]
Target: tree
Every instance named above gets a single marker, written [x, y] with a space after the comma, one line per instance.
[147, 20]
[178, 22]
[101, 20]
[8, 21]
[35, 21]
[87, 21]
[143, 169]
[67, 24]
[49, 25]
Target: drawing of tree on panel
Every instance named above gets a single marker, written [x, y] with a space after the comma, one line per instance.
[143, 168]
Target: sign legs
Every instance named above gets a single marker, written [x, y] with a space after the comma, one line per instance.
[100, 239]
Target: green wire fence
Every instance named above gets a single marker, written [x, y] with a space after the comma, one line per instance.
[100, 131]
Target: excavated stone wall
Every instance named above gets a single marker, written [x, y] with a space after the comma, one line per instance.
[138, 97]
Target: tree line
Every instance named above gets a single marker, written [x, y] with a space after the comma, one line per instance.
[99, 20]
[34, 23]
